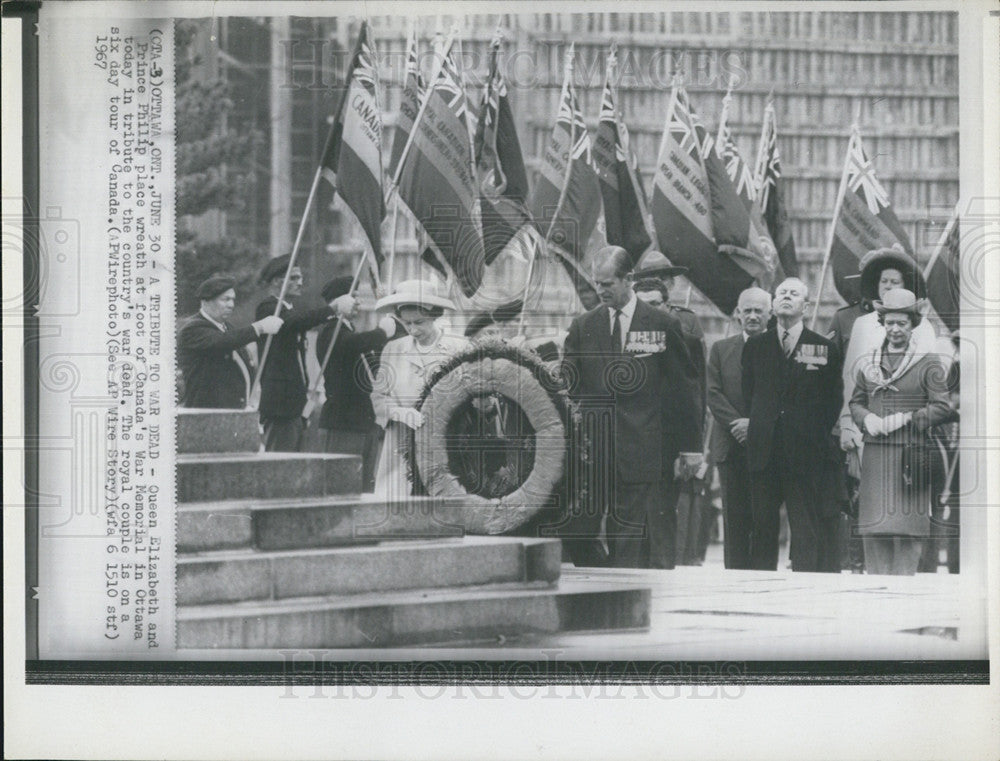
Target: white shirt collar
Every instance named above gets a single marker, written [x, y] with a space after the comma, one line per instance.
[627, 311]
[794, 332]
[216, 323]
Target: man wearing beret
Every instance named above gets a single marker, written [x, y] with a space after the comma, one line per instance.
[347, 415]
[284, 379]
[216, 366]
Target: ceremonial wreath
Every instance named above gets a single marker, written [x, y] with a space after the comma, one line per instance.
[501, 432]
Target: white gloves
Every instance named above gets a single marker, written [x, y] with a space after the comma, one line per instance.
[408, 416]
[883, 426]
[850, 438]
[388, 326]
[895, 421]
[874, 425]
[344, 305]
[268, 326]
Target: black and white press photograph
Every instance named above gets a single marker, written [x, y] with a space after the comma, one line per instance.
[597, 357]
[571, 330]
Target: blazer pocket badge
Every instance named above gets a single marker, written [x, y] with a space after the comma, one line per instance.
[642, 343]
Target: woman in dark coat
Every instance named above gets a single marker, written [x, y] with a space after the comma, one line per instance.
[899, 393]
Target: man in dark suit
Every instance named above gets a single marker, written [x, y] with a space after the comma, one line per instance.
[216, 367]
[347, 415]
[792, 388]
[730, 423]
[627, 367]
[284, 379]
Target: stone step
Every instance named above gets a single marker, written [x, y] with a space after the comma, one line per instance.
[218, 431]
[388, 567]
[310, 522]
[265, 475]
[419, 617]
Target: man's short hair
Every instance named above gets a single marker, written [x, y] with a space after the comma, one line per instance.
[753, 290]
[618, 257]
[797, 280]
[214, 286]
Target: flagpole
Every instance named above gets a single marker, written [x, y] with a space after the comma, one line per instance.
[392, 243]
[255, 389]
[833, 225]
[333, 340]
[373, 267]
[527, 285]
[572, 142]
[941, 241]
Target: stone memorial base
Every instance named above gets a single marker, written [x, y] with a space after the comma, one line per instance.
[281, 551]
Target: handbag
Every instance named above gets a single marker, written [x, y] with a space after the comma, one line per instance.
[922, 464]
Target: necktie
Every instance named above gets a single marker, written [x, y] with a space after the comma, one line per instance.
[785, 342]
[616, 330]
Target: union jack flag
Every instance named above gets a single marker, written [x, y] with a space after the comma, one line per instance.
[569, 112]
[681, 126]
[450, 85]
[366, 73]
[768, 169]
[736, 168]
[862, 180]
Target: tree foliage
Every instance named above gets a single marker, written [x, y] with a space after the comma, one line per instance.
[216, 171]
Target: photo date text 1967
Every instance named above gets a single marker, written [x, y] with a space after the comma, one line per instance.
[134, 290]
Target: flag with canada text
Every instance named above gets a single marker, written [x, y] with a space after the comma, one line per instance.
[352, 158]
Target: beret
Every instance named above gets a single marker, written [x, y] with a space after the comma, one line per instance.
[275, 268]
[337, 288]
[214, 286]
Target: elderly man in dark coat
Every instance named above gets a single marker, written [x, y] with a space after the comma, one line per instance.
[284, 379]
[216, 367]
[627, 366]
[730, 423]
[347, 415]
[792, 388]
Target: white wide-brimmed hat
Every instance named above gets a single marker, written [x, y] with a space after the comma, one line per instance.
[421, 293]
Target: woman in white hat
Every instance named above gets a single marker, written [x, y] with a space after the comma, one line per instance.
[899, 394]
[405, 366]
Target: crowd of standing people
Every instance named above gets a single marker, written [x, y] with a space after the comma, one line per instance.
[853, 433]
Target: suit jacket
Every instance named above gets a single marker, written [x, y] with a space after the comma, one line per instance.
[803, 391]
[348, 405]
[694, 339]
[284, 382]
[650, 390]
[217, 369]
[725, 394]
